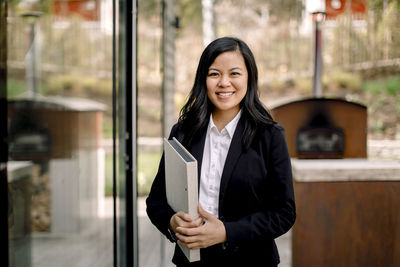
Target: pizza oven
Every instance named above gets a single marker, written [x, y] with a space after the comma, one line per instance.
[323, 128]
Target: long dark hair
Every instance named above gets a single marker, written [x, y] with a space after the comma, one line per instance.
[195, 114]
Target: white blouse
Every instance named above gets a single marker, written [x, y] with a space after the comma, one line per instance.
[215, 151]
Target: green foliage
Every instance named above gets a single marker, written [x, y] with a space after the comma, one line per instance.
[78, 84]
[374, 86]
[108, 175]
[107, 127]
[62, 82]
[385, 93]
[283, 10]
[389, 86]
[190, 15]
[147, 169]
[304, 85]
[286, 10]
[17, 87]
[378, 126]
[276, 85]
[151, 113]
[41, 5]
[397, 104]
[148, 8]
[378, 5]
[393, 86]
[347, 80]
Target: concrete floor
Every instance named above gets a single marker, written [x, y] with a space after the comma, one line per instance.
[152, 244]
[94, 247]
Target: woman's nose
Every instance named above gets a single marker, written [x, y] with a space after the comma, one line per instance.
[224, 81]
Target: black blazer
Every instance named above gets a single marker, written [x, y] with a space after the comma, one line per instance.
[256, 199]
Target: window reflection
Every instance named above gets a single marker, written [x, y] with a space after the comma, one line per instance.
[59, 126]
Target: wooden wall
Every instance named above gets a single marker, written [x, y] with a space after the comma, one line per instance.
[347, 224]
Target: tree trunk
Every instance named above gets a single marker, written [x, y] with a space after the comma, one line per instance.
[168, 64]
[208, 21]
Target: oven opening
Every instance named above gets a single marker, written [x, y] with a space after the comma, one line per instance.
[320, 138]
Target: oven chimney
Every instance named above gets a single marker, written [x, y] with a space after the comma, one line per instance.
[318, 18]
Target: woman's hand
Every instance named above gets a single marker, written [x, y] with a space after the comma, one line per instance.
[210, 233]
[181, 219]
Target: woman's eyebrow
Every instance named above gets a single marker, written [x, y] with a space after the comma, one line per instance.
[234, 68]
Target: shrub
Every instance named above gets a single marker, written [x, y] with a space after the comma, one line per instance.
[78, 84]
[63, 82]
[393, 86]
[346, 80]
[304, 85]
[389, 86]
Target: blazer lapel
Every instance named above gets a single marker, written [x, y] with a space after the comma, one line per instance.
[234, 152]
[197, 151]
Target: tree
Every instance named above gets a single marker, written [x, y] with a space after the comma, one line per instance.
[208, 21]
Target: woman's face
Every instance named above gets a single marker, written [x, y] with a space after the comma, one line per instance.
[227, 82]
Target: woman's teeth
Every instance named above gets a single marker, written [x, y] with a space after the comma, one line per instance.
[225, 94]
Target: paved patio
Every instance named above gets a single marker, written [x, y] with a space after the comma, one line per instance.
[152, 244]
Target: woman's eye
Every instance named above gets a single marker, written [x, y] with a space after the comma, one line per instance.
[213, 74]
[235, 73]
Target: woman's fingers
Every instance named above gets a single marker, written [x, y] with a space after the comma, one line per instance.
[192, 242]
[184, 216]
[189, 231]
[210, 233]
[181, 219]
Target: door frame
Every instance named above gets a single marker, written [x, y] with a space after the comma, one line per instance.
[4, 253]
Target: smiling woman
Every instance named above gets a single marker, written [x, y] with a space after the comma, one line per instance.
[226, 86]
[246, 193]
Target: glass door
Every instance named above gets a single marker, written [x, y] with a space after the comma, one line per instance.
[57, 109]
[68, 133]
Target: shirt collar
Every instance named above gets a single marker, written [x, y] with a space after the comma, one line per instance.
[230, 127]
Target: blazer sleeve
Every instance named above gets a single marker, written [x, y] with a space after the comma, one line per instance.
[279, 213]
[157, 207]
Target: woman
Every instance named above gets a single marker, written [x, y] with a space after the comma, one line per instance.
[246, 195]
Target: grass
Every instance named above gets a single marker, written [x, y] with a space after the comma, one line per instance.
[107, 127]
[389, 86]
[17, 87]
[385, 87]
[109, 175]
[147, 170]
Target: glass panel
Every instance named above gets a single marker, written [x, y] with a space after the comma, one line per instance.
[154, 248]
[149, 126]
[60, 160]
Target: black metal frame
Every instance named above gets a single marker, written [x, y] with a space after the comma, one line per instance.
[127, 132]
[114, 132]
[3, 135]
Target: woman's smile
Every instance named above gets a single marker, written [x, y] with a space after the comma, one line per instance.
[227, 83]
[225, 94]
